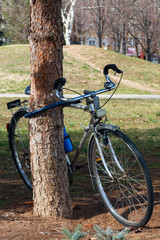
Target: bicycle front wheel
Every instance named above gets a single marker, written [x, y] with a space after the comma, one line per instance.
[128, 195]
[19, 144]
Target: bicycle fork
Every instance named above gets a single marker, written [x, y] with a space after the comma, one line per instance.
[113, 155]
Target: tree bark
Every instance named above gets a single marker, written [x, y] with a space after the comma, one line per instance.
[49, 168]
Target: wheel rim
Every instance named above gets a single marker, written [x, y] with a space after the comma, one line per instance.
[20, 143]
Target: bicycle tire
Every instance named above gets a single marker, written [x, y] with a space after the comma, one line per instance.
[19, 144]
[129, 195]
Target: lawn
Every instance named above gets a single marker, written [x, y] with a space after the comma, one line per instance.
[138, 118]
[80, 74]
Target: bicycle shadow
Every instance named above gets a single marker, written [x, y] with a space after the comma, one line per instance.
[88, 209]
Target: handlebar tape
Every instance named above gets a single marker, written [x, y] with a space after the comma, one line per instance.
[59, 83]
[113, 67]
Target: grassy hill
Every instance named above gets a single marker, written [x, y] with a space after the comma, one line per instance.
[83, 67]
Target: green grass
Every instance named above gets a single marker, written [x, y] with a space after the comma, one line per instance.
[137, 118]
[136, 70]
[80, 75]
[14, 68]
[140, 119]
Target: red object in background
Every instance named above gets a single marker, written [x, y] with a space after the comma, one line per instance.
[141, 54]
[7, 126]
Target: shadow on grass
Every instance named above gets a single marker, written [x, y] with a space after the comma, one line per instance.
[147, 141]
[14, 193]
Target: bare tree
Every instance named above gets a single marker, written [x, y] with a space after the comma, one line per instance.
[49, 168]
[81, 23]
[119, 15]
[146, 24]
[16, 17]
[68, 18]
[113, 29]
[138, 20]
[97, 15]
[157, 2]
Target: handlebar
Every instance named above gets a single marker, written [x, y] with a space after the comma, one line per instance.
[76, 99]
[108, 85]
[113, 67]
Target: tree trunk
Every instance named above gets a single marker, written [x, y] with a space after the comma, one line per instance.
[68, 18]
[100, 40]
[49, 168]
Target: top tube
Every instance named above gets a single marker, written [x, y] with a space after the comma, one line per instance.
[53, 105]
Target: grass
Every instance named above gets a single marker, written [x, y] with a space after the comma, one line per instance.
[14, 68]
[80, 75]
[136, 70]
[138, 118]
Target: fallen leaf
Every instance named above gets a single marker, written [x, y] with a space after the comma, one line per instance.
[28, 203]
[88, 225]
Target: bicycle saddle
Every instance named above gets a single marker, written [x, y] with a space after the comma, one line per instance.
[27, 90]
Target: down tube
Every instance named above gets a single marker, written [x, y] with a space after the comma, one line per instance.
[79, 149]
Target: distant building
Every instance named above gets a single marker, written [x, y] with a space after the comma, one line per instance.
[93, 41]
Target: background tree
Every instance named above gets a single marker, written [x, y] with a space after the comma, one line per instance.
[68, 18]
[138, 20]
[113, 30]
[2, 37]
[97, 10]
[80, 24]
[119, 15]
[16, 16]
[157, 2]
[49, 168]
[146, 24]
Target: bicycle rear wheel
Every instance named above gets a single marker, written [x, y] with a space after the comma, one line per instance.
[129, 195]
[19, 144]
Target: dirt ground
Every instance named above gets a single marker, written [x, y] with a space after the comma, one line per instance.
[17, 221]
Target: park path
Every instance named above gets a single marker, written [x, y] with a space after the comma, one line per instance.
[116, 96]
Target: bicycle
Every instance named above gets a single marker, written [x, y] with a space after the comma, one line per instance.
[117, 169]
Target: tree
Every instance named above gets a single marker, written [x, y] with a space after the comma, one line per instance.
[119, 15]
[98, 16]
[139, 21]
[49, 167]
[146, 24]
[157, 3]
[16, 16]
[68, 18]
[2, 37]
